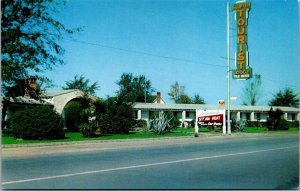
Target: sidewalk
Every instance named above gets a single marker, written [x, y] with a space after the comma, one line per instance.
[38, 149]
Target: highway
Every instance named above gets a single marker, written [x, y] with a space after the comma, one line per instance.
[226, 163]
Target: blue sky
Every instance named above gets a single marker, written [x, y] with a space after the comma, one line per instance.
[183, 40]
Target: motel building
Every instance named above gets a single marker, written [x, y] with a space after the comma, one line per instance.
[187, 112]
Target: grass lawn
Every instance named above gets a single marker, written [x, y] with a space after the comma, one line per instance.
[78, 137]
[137, 135]
[265, 130]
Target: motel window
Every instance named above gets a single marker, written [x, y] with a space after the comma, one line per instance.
[187, 114]
[293, 117]
[248, 116]
[258, 116]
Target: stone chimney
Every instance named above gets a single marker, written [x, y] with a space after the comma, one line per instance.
[31, 88]
[158, 97]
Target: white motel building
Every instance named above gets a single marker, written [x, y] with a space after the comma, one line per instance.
[187, 112]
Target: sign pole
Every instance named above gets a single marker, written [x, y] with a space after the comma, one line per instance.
[228, 70]
[196, 125]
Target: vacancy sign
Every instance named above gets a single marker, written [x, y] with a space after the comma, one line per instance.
[242, 69]
[211, 118]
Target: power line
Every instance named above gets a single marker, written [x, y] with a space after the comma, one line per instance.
[146, 53]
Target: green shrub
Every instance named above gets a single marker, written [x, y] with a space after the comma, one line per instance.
[72, 116]
[85, 114]
[294, 124]
[141, 123]
[283, 124]
[273, 121]
[37, 123]
[192, 123]
[88, 129]
[118, 117]
[174, 121]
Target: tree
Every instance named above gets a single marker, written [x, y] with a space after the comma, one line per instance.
[29, 39]
[287, 97]
[198, 100]
[135, 88]
[118, 117]
[81, 83]
[176, 92]
[179, 96]
[252, 91]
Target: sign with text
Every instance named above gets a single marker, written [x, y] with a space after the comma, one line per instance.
[242, 69]
[210, 117]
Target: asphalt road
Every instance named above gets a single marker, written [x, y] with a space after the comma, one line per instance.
[239, 163]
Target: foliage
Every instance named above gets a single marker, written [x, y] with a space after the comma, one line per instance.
[185, 99]
[178, 95]
[81, 83]
[85, 114]
[174, 121]
[88, 130]
[240, 126]
[252, 91]
[287, 97]
[134, 88]
[30, 39]
[141, 123]
[37, 123]
[283, 124]
[118, 117]
[255, 123]
[197, 99]
[72, 115]
[161, 124]
[273, 121]
[177, 92]
[98, 106]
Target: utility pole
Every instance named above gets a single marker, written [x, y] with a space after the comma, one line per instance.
[228, 70]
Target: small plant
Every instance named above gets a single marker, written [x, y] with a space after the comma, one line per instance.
[141, 123]
[161, 124]
[88, 130]
[240, 126]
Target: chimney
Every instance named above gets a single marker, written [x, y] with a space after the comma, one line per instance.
[31, 88]
[158, 97]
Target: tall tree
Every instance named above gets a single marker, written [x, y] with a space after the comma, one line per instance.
[252, 91]
[81, 83]
[287, 97]
[30, 39]
[135, 88]
[176, 92]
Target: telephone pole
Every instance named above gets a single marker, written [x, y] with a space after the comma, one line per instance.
[228, 69]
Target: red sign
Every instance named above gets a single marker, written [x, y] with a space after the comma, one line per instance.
[216, 120]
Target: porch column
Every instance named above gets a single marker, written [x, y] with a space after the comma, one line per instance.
[238, 116]
[285, 116]
[139, 114]
[252, 116]
[183, 118]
